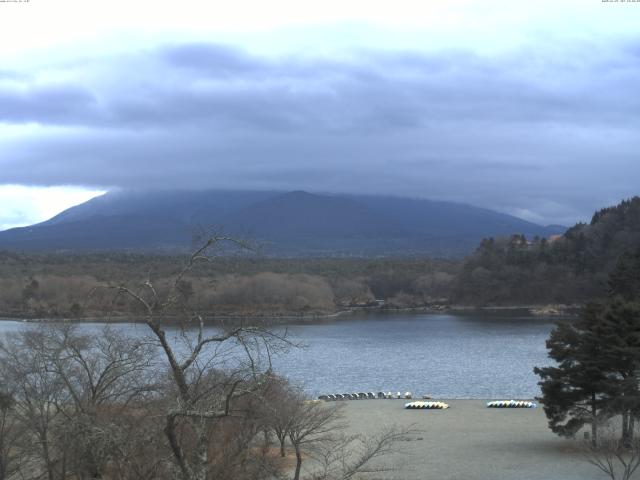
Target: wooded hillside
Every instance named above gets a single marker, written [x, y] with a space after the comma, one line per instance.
[572, 268]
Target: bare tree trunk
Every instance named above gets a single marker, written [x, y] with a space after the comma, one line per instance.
[95, 471]
[594, 421]
[266, 441]
[626, 440]
[63, 465]
[47, 458]
[296, 475]
[202, 452]
[283, 452]
[170, 432]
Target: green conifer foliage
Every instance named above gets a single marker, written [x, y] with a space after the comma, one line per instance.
[575, 392]
[597, 375]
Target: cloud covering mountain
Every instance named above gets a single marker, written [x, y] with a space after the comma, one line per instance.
[545, 129]
[293, 223]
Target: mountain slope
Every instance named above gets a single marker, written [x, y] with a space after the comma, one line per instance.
[572, 268]
[433, 218]
[294, 223]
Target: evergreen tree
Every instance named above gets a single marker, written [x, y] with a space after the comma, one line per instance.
[576, 391]
[618, 333]
[598, 361]
[624, 281]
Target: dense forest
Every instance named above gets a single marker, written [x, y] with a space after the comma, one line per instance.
[572, 268]
[510, 271]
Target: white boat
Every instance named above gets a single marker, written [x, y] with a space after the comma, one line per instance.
[511, 404]
[419, 405]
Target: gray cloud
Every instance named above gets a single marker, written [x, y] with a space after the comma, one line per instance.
[50, 105]
[532, 135]
[212, 60]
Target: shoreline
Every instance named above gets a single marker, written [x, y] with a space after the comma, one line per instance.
[542, 311]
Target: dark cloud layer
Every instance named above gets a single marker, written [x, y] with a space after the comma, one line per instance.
[544, 138]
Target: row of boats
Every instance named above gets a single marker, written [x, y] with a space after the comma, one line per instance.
[367, 396]
[426, 405]
[494, 404]
[511, 404]
[419, 404]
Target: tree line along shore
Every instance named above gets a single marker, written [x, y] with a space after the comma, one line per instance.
[571, 269]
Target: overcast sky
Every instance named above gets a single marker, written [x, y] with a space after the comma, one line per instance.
[531, 108]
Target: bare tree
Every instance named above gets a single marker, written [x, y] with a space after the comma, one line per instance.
[138, 446]
[281, 402]
[312, 423]
[102, 375]
[185, 401]
[344, 456]
[69, 389]
[616, 457]
[317, 431]
[197, 403]
[11, 434]
[233, 449]
[37, 392]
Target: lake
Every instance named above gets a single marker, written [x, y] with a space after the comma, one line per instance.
[452, 355]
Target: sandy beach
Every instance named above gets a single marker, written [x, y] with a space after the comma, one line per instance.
[471, 442]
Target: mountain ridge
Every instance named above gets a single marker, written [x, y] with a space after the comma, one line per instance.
[284, 223]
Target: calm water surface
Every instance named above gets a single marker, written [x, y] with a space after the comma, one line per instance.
[488, 355]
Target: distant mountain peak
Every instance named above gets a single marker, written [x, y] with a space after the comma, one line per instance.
[288, 223]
